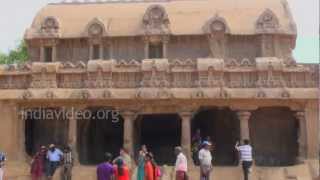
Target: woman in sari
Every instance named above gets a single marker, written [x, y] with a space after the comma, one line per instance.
[149, 168]
[141, 162]
[121, 171]
[38, 164]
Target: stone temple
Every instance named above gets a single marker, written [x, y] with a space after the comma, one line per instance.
[168, 68]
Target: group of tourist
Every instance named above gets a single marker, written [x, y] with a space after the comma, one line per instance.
[47, 160]
[202, 150]
[120, 168]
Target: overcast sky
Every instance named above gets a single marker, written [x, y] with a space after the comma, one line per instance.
[17, 15]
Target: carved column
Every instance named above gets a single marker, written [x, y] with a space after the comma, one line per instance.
[165, 41]
[54, 53]
[90, 52]
[129, 118]
[42, 53]
[186, 134]
[72, 133]
[101, 51]
[302, 138]
[244, 117]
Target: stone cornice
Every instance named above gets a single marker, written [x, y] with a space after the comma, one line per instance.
[130, 94]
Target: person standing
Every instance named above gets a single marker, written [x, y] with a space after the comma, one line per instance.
[54, 156]
[181, 166]
[141, 162]
[2, 160]
[67, 163]
[38, 164]
[149, 171]
[121, 170]
[125, 157]
[105, 171]
[205, 159]
[196, 143]
[245, 157]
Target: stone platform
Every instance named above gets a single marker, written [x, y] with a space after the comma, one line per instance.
[306, 171]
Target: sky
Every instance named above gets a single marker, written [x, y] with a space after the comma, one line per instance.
[17, 15]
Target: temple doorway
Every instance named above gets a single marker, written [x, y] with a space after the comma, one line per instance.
[161, 133]
[222, 127]
[274, 134]
[44, 126]
[99, 131]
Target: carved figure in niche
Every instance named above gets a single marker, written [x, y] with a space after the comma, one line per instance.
[50, 24]
[267, 21]
[156, 20]
[95, 30]
[216, 28]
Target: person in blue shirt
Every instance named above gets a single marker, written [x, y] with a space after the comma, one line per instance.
[2, 160]
[54, 156]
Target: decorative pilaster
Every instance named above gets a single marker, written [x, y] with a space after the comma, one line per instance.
[186, 134]
[244, 117]
[302, 138]
[129, 118]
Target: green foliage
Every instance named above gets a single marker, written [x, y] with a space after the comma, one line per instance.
[17, 55]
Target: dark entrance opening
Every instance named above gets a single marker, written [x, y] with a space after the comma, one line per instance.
[44, 126]
[99, 131]
[222, 126]
[274, 133]
[161, 133]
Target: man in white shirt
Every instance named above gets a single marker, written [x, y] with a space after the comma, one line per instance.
[205, 159]
[245, 157]
[181, 167]
[54, 156]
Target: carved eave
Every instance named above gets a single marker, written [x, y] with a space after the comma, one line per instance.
[207, 64]
[205, 94]
[268, 63]
[127, 66]
[38, 67]
[104, 66]
[268, 23]
[160, 65]
[183, 65]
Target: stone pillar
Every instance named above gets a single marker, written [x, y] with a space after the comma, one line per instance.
[186, 134]
[42, 54]
[72, 133]
[101, 51]
[302, 138]
[129, 118]
[90, 52]
[54, 53]
[244, 117]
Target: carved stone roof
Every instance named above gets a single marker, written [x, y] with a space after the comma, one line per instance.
[127, 18]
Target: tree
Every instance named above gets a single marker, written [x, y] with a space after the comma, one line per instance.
[17, 55]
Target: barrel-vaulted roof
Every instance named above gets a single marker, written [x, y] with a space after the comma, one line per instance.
[186, 17]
